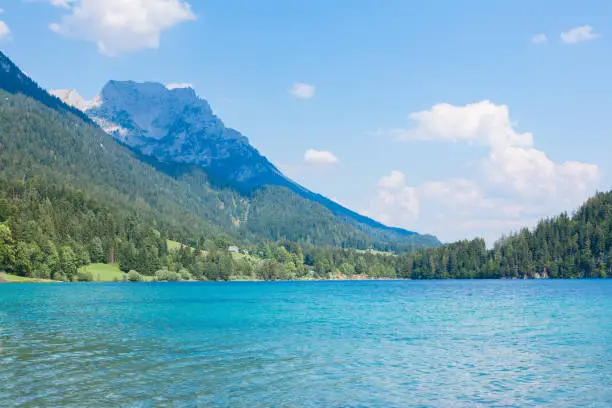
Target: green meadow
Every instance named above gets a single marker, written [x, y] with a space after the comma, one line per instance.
[5, 277]
[104, 272]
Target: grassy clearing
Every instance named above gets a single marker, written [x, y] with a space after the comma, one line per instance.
[108, 272]
[20, 279]
[104, 272]
[100, 272]
[172, 245]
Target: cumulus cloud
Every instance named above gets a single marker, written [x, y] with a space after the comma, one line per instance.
[579, 34]
[482, 122]
[515, 182]
[397, 206]
[5, 31]
[392, 181]
[302, 90]
[452, 209]
[320, 157]
[179, 85]
[539, 39]
[119, 26]
[513, 161]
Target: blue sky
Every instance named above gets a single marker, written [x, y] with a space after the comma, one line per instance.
[461, 119]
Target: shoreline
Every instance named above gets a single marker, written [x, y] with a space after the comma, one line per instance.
[29, 281]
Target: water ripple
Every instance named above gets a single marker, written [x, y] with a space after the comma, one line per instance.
[317, 344]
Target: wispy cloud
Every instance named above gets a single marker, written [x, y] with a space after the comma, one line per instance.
[579, 34]
[539, 39]
[5, 31]
[394, 180]
[303, 90]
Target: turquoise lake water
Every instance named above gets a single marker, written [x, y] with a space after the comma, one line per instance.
[307, 344]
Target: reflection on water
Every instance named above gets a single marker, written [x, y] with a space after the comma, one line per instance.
[307, 344]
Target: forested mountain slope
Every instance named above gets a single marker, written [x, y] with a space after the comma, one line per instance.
[175, 128]
[42, 139]
[13, 80]
[70, 194]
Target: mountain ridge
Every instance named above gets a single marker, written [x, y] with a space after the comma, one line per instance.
[176, 125]
[63, 146]
[13, 80]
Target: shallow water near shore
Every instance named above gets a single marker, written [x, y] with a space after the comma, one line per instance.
[307, 344]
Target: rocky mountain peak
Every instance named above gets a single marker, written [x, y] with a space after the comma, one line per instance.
[151, 110]
[176, 131]
[72, 98]
[172, 124]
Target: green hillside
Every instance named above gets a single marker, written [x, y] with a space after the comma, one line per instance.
[61, 150]
[577, 246]
[73, 200]
[71, 196]
[44, 139]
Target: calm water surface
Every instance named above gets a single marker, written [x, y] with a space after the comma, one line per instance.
[316, 344]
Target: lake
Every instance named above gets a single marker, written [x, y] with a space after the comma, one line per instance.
[307, 344]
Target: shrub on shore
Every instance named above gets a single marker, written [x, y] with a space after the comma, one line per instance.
[166, 275]
[83, 276]
[60, 277]
[185, 275]
[134, 276]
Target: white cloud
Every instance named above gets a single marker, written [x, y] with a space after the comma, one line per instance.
[62, 3]
[539, 39]
[398, 206]
[392, 181]
[482, 122]
[5, 31]
[515, 183]
[579, 34]
[179, 85]
[303, 91]
[512, 160]
[320, 157]
[120, 26]
[453, 209]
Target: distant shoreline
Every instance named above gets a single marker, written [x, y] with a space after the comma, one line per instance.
[23, 280]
